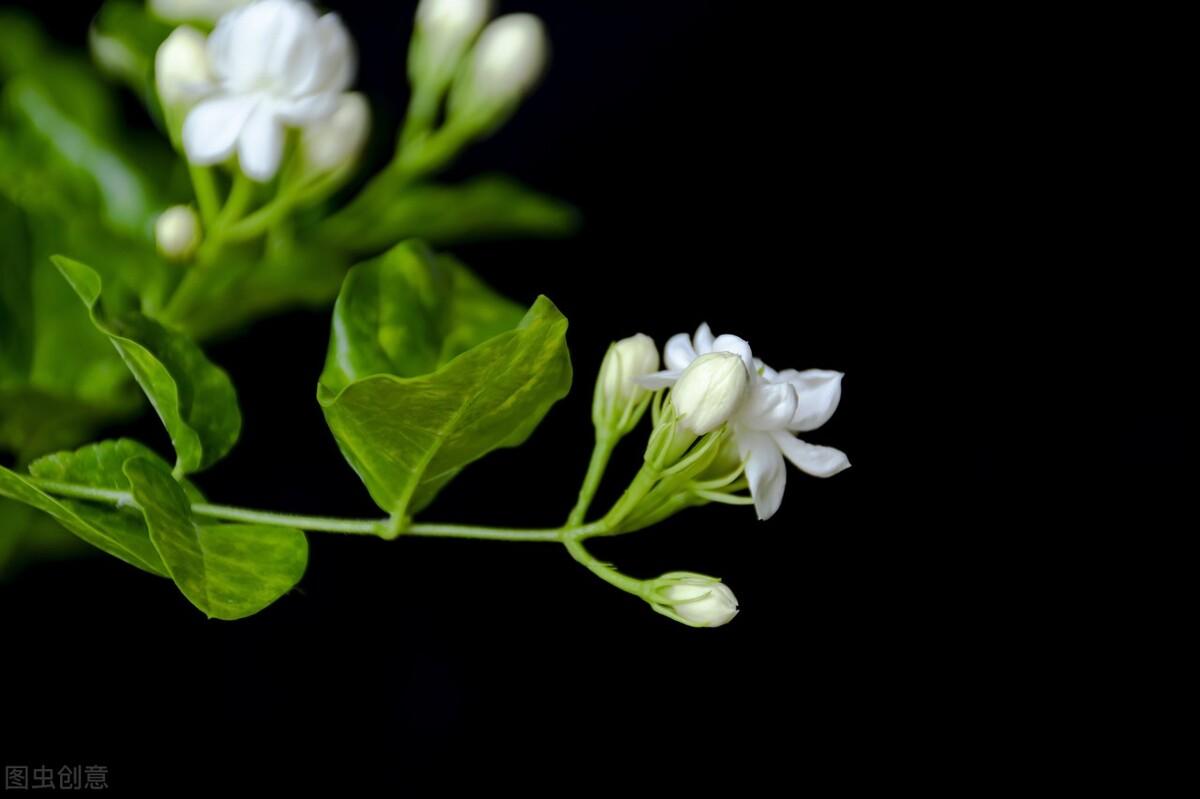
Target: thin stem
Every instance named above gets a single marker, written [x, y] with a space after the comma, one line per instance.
[325, 524]
[260, 220]
[236, 203]
[601, 453]
[602, 570]
[205, 188]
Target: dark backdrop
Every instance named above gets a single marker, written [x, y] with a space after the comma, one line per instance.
[835, 187]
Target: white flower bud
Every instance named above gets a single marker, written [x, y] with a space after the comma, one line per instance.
[193, 10]
[709, 391]
[446, 27]
[181, 67]
[507, 61]
[695, 599]
[177, 232]
[336, 141]
[616, 392]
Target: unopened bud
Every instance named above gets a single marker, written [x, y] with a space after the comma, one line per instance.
[709, 391]
[507, 61]
[694, 599]
[181, 68]
[617, 395]
[177, 233]
[337, 140]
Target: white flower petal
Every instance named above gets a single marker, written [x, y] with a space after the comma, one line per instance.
[291, 58]
[260, 147]
[766, 372]
[312, 108]
[246, 52]
[679, 352]
[211, 129]
[817, 461]
[770, 406]
[765, 470]
[704, 339]
[338, 58]
[657, 380]
[738, 346]
[819, 392]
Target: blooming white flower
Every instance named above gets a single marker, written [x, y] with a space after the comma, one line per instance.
[181, 67]
[276, 63]
[709, 391]
[695, 599]
[778, 405]
[177, 232]
[507, 61]
[331, 143]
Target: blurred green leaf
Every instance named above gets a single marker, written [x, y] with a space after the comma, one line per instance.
[120, 532]
[487, 207]
[124, 38]
[418, 383]
[228, 571]
[16, 292]
[27, 534]
[194, 398]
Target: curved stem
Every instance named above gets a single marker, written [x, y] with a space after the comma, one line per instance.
[205, 189]
[602, 570]
[601, 452]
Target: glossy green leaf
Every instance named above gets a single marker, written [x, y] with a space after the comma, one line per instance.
[418, 382]
[228, 571]
[488, 207]
[194, 398]
[120, 532]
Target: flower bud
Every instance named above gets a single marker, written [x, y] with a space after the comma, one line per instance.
[181, 68]
[445, 28]
[336, 141]
[507, 61]
[709, 391]
[177, 232]
[617, 395]
[694, 599]
[193, 10]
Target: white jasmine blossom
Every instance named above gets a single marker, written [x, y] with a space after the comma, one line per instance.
[275, 63]
[694, 599]
[505, 64]
[181, 70]
[177, 232]
[336, 141]
[778, 405]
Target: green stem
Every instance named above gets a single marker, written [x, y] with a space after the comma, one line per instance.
[602, 570]
[601, 452]
[262, 219]
[236, 203]
[325, 524]
[205, 188]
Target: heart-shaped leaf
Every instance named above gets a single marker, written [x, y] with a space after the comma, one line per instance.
[119, 531]
[228, 571]
[428, 370]
[194, 398]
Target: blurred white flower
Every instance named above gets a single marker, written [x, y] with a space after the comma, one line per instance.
[778, 405]
[193, 10]
[505, 64]
[177, 232]
[444, 29]
[336, 141]
[181, 69]
[276, 63]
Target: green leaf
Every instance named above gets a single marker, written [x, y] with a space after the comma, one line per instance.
[119, 531]
[422, 377]
[194, 398]
[16, 292]
[487, 207]
[228, 571]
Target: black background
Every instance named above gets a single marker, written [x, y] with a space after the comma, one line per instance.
[847, 190]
